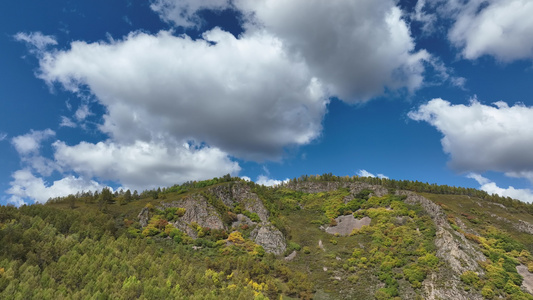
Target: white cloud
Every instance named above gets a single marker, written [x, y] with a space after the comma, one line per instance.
[357, 48]
[143, 165]
[264, 180]
[26, 185]
[184, 12]
[3, 136]
[498, 27]
[36, 39]
[246, 178]
[82, 112]
[490, 187]
[31, 142]
[485, 27]
[28, 146]
[66, 122]
[427, 19]
[245, 96]
[365, 173]
[480, 137]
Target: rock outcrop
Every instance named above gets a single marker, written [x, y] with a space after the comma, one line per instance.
[270, 238]
[524, 226]
[144, 216]
[326, 186]
[346, 224]
[459, 254]
[200, 212]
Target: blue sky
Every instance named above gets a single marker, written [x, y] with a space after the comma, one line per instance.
[140, 94]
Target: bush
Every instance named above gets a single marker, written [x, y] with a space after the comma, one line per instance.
[487, 292]
[469, 277]
[253, 216]
[294, 246]
[511, 288]
[306, 250]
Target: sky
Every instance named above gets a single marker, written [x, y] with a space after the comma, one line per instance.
[145, 94]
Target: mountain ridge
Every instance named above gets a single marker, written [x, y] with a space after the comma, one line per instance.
[248, 241]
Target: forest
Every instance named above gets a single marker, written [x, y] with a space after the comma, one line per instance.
[92, 245]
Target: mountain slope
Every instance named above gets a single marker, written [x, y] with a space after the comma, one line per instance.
[321, 237]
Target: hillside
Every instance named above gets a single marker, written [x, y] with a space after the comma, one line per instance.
[316, 237]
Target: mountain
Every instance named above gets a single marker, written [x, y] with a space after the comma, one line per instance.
[315, 237]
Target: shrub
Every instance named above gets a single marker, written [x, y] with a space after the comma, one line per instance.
[306, 250]
[511, 288]
[253, 216]
[487, 292]
[294, 246]
[469, 277]
[236, 238]
[180, 211]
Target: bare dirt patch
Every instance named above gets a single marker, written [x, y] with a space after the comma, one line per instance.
[346, 224]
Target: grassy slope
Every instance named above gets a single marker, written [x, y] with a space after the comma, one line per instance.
[477, 214]
[486, 213]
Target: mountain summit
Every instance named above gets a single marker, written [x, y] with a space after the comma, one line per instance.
[315, 237]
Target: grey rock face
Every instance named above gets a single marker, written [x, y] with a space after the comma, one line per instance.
[459, 254]
[242, 220]
[270, 238]
[524, 226]
[250, 201]
[346, 224]
[144, 217]
[241, 193]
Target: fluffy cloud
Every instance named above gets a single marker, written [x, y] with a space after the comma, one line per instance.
[483, 27]
[480, 137]
[491, 188]
[499, 28]
[26, 185]
[365, 173]
[31, 142]
[249, 96]
[143, 165]
[28, 146]
[264, 180]
[243, 95]
[357, 48]
[184, 12]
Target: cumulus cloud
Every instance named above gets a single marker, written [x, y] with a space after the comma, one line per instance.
[483, 27]
[184, 12]
[248, 97]
[264, 180]
[480, 137]
[365, 173]
[357, 48]
[26, 185]
[143, 165]
[243, 95]
[28, 147]
[490, 187]
[31, 142]
[498, 28]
